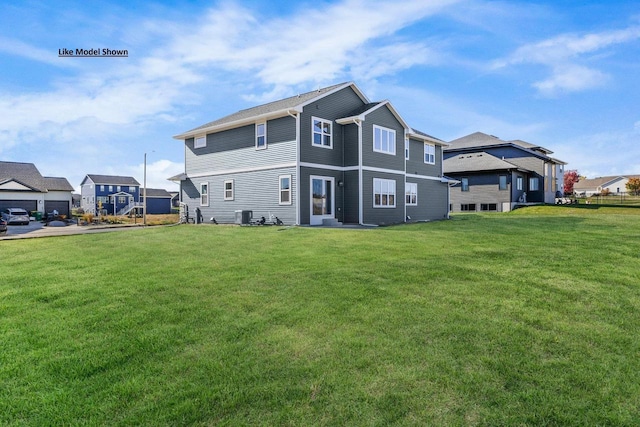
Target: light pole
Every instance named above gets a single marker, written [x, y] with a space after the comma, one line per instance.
[144, 194]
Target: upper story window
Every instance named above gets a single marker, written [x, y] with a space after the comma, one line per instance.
[384, 193]
[200, 142]
[101, 187]
[384, 140]
[502, 182]
[465, 184]
[411, 194]
[429, 154]
[228, 190]
[118, 188]
[406, 149]
[261, 136]
[321, 133]
[110, 188]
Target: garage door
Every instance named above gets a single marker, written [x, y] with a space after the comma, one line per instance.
[62, 206]
[28, 205]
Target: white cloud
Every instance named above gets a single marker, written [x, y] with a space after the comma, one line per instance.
[566, 56]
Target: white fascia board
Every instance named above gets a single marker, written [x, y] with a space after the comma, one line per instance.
[238, 123]
[428, 139]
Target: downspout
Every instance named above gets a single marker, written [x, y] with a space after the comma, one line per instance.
[360, 184]
[298, 142]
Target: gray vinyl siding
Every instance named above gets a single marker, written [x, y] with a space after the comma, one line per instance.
[235, 148]
[305, 192]
[382, 117]
[519, 158]
[258, 191]
[350, 141]
[483, 188]
[351, 199]
[432, 200]
[416, 164]
[382, 216]
[330, 108]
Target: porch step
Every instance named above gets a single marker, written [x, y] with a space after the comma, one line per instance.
[331, 222]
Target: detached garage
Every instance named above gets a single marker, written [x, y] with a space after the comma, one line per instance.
[22, 186]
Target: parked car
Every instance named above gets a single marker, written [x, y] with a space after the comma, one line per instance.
[3, 226]
[15, 216]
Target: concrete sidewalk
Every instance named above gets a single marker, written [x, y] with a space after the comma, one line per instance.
[36, 229]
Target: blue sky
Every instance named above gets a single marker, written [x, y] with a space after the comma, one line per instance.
[561, 74]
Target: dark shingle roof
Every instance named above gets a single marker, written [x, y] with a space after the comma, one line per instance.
[417, 132]
[270, 107]
[475, 162]
[27, 174]
[112, 179]
[482, 140]
[158, 193]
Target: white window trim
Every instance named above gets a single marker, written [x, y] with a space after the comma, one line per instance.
[206, 196]
[200, 141]
[413, 185]
[280, 190]
[391, 139]
[519, 183]
[313, 132]
[264, 146]
[224, 189]
[387, 206]
[531, 181]
[406, 148]
[431, 154]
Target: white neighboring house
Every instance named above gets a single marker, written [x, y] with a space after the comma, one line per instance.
[22, 186]
[616, 184]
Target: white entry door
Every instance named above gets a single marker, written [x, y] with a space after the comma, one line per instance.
[322, 199]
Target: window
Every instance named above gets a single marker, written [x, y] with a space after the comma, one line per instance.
[321, 133]
[468, 207]
[384, 193]
[228, 190]
[411, 194]
[102, 188]
[406, 149]
[534, 184]
[519, 183]
[122, 199]
[429, 154]
[200, 142]
[103, 199]
[132, 189]
[285, 189]
[118, 188]
[204, 194]
[465, 184]
[502, 182]
[261, 136]
[488, 207]
[110, 188]
[384, 140]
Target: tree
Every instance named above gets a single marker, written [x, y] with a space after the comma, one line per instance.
[633, 185]
[570, 178]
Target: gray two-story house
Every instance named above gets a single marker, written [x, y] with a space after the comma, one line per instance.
[497, 175]
[321, 157]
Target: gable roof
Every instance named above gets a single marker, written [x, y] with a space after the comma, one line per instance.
[476, 162]
[158, 193]
[111, 180]
[482, 140]
[270, 110]
[26, 174]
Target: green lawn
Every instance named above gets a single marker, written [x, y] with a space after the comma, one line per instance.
[525, 318]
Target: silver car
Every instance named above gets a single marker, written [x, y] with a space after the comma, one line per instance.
[15, 216]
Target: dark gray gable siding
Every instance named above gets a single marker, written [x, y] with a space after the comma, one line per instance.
[350, 137]
[432, 200]
[416, 164]
[385, 118]
[281, 130]
[330, 108]
[382, 216]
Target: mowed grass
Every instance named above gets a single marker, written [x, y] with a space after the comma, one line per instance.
[526, 318]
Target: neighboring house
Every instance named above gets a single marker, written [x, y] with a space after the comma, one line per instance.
[158, 201]
[110, 195]
[175, 198]
[614, 184]
[321, 157]
[496, 175]
[22, 186]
